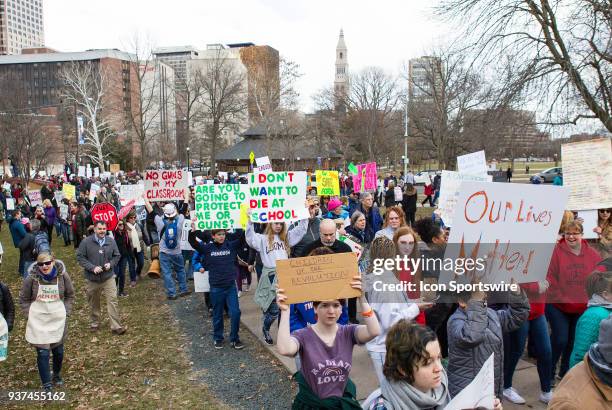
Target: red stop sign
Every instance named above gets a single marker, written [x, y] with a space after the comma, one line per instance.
[107, 213]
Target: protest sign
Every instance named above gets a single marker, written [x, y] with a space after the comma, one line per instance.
[327, 183]
[107, 213]
[587, 166]
[474, 163]
[88, 171]
[449, 192]
[129, 193]
[141, 213]
[6, 186]
[10, 204]
[59, 196]
[480, 393]
[69, 191]
[63, 211]
[190, 178]
[96, 172]
[263, 164]
[218, 206]
[165, 185]
[365, 179]
[200, 282]
[114, 168]
[277, 197]
[81, 171]
[589, 223]
[512, 227]
[35, 197]
[93, 191]
[125, 209]
[322, 277]
[184, 240]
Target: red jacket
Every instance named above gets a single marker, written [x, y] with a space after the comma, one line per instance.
[567, 274]
[429, 190]
[406, 276]
[537, 300]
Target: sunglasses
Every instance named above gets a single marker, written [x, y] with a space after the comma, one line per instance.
[608, 211]
[44, 263]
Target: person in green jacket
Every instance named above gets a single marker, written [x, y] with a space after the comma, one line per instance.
[599, 289]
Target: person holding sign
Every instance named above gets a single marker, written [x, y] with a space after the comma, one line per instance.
[219, 258]
[46, 298]
[326, 352]
[275, 243]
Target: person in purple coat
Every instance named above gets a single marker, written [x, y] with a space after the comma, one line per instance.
[50, 216]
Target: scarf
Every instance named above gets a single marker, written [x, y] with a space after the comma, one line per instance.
[597, 300]
[404, 396]
[50, 276]
[602, 370]
[133, 232]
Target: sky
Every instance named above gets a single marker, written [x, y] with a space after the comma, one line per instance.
[383, 33]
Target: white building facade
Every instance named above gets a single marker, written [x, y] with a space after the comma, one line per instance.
[21, 25]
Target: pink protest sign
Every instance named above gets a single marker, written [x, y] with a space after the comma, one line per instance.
[165, 185]
[365, 180]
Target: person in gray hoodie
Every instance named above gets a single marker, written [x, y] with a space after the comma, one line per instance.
[475, 331]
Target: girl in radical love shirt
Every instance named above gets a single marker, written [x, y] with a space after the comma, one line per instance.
[326, 352]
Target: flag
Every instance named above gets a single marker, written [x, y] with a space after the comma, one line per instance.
[352, 169]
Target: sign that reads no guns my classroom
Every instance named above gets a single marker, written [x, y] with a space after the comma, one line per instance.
[277, 197]
[165, 185]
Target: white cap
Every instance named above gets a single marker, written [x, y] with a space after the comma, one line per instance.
[170, 210]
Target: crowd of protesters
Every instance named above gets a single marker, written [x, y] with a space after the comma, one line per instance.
[424, 351]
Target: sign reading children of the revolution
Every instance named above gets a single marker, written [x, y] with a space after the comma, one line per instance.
[327, 183]
[511, 228]
[218, 206]
[165, 185]
[323, 277]
[365, 179]
[587, 166]
[277, 197]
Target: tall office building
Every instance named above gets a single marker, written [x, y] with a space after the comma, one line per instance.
[424, 78]
[21, 25]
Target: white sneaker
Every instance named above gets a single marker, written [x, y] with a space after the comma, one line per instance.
[239, 293]
[246, 288]
[513, 396]
[546, 397]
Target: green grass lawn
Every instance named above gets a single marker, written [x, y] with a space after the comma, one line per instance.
[146, 368]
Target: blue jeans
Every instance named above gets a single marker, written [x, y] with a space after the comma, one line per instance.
[42, 360]
[120, 273]
[135, 265]
[219, 297]
[562, 332]
[187, 255]
[174, 263]
[65, 230]
[537, 330]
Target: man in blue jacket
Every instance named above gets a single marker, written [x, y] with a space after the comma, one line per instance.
[219, 259]
[18, 232]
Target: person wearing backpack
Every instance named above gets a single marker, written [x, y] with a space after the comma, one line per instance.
[33, 244]
[169, 227]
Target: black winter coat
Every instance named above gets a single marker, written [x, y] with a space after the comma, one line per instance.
[7, 306]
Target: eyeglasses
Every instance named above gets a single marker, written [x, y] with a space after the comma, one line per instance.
[44, 263]
[573, 233]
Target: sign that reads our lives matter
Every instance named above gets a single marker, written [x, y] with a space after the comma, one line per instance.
[165, 185]
[277, 197]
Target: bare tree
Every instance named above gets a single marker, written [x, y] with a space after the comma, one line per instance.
[371, 102]
[85, 87]
[222, 104]
[563, 46]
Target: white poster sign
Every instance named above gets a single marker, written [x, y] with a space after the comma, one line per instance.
[81, 171]
[512, 227]
[589, 223]
[277, 196]
[184, 242]
[88, 171]
[474, 163]
[93, 191]
[128, 193]
[217, 206]
[10, 204]
[587, 166]
[6, 186]
[63, 210]
[480, 393]
[200, 282]
[96, 172]
[449, 192]
[59, 196]
[35, 197]
[263, 164]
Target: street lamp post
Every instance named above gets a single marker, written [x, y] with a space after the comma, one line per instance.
[405, 157]
[188, 159]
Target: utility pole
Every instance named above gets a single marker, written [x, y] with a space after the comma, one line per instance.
[406, 139]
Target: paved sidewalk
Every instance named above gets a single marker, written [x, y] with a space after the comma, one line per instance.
[526, 380]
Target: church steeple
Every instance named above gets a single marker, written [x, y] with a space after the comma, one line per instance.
[341, 81]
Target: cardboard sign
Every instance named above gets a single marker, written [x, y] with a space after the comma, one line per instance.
[93, 191]
[200, 282]
[184, 241]
[35, 198]
[10, 204]
[63, 211]
[513, 227]
[324, 277]
[218, 206]
[365, 179]
[327, 183]
[449, 192]
[114, 168]
[480, 393]
[69, 191]
[107, 213]
[587, 166]
[165, 185]
[474, 163]
[277, 197]
[129, 193]
[263, 164]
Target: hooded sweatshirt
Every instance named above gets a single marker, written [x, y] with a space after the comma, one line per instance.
[269, 255]
[567, 274]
